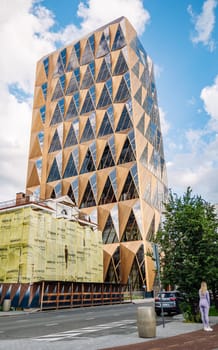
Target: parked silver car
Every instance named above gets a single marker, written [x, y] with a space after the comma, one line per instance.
[170, 301]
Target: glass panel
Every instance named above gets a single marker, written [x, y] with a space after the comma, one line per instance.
[74, 82]
[58, 189]
[132, 231]
[39, 166]
[141, 124]
[106, 159]
[134, 174]
[75, 187]
[70, 169]
[145, 77]
[88, 198]
[74, 58]
[88, 164]
[103, 47]
[58, 92]
[71, 138]
[46, 65]
[147, 105]
[41, 138]
[106, 127]
[135, 69]
[54, 172]
[72, 109]
[113, 179]
[105, 98]
[71, 195]
[61, 62]
[87, 54]
[44, 90]
[88, 78]
[127, 154]
[124, 121]
[123, 92]
[139, 50]
[92, 148]
[104, 72]
[55, 144]
[88, 104]
[107, 195]
[129, 189]
[144, 157]
[59, 161]
[138, 96]
[58, 113]
[112, 146]
[42, 113]
[109, 234]
[138, 215]
[121, 65]
[119, 40]
[93, 182]
[88, 133]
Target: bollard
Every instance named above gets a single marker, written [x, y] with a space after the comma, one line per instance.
[146, 322]
[6, 305]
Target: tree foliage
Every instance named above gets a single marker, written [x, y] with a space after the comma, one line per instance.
[188, 241]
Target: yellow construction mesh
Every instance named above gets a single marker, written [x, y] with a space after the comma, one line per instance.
[35, 246]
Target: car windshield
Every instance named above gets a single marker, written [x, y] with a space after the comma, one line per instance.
[166, 295]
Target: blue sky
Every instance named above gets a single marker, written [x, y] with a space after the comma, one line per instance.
[181, 37]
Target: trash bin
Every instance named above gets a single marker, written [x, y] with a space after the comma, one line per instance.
[146, 322]
[6, 305]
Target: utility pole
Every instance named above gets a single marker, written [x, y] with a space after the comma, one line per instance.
[157, 260]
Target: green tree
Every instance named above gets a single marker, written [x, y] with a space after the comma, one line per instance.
[188, 243]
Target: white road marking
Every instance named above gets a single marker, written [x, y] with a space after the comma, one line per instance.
[82, 331]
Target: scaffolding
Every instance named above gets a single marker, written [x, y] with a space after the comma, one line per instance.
[36, 246]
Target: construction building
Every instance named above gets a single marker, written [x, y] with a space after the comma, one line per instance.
[96, 137]
[48, 241]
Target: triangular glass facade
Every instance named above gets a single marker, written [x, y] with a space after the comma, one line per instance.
[109, 234]
[88, 163]
[58, 113]
[106, 159]
[121, 65]
[119, 40]
[124, 121]
[106, 127]
[54, 174]
[103, 48]
[70, 169]
[104, 72]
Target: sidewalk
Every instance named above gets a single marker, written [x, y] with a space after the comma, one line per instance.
[187, 340]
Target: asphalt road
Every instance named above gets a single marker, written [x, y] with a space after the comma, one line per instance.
[69, 324]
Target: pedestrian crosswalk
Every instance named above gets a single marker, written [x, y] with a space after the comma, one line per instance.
[85, 331]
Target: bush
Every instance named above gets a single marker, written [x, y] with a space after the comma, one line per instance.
[188, 314]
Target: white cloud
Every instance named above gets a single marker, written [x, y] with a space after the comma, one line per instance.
[209, 95]
[165, 125]
[204, 24]
[98, 12]
[197, 169]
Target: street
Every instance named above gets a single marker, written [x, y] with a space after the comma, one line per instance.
[69, 325]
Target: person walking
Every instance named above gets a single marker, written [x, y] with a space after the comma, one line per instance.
[204, 305]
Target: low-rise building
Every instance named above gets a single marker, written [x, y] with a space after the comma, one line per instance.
[48, 241]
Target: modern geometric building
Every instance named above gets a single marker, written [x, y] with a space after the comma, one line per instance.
[96, 137]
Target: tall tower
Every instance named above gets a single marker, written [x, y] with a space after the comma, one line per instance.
[96, 137]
